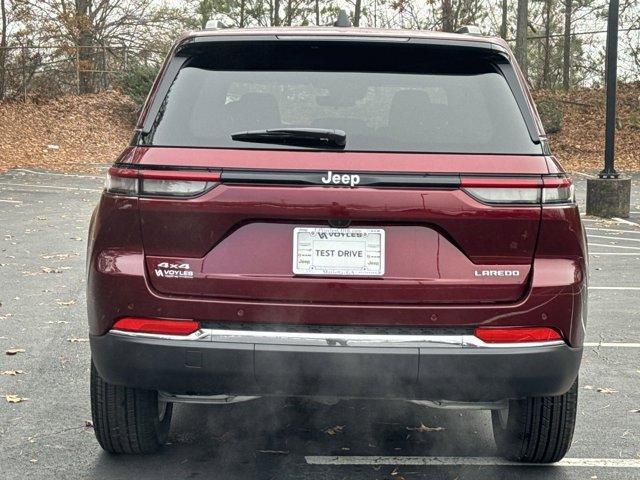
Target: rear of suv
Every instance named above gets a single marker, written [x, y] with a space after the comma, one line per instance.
[338, 212]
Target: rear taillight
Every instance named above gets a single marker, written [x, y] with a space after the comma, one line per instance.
[509, 190]
[557, 190]
[160, 183]
[122, 181]
[517, 334]
[157, 326]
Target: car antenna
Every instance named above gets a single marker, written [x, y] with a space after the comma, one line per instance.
[342, 20]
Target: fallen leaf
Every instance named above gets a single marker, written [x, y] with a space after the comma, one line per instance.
[66, 303]
[334, 430]
[88, 424]
[12, 373]
[51, 270]
[423, 428]
[13, 351]
[57, 321]
[14, 398]
[588, 387]
[606, 391]
[59, 256]
[27, 273]
[77, 340]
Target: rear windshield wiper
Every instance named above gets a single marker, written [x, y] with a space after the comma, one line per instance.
[300, 137]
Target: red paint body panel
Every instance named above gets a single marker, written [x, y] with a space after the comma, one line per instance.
[328, 160]
[484, 233]
[423, 267]
[119, 284]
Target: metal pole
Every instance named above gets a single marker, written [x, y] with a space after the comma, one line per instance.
[611, 79]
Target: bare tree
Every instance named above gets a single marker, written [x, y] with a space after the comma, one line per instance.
[521, 35]
[566, 47]
[503, 24]
[243, 18]
[447, 16]
[357, 13]
[548, 9]
[84, 41]
[3, 47]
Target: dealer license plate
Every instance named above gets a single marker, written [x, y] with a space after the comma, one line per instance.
[338, 251]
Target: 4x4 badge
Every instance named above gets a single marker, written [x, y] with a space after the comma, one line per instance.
[338, 179]
[173, 270]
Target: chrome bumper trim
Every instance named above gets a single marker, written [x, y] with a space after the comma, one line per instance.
[336, 339]
[204, 399]
[454, 405]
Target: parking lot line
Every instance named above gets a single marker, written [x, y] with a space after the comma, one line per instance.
[614, 288]
[613, 253]
[57, 173]
[616, 220]
[613, 246]
[626, 222]
[473, 461]
[614, 230]
[617, 237]
[612, 344]
[53, 187]
[10, 201]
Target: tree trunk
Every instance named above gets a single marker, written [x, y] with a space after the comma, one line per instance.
[356, 13]
[521, 35]
[447, 16]
[566, 48]
[503, 25]
[547, 43]
[288, 13]
[318, 12]
[84, 42]
[276, 13]
[242, 8]
[3, 48]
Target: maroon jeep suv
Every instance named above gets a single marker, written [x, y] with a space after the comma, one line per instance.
[338, 212]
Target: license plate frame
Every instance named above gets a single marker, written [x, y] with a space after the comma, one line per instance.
[317, 251]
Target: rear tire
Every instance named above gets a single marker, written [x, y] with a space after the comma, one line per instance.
[536, 430]
[128, 420]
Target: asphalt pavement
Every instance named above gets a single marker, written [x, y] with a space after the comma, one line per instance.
[43, 233]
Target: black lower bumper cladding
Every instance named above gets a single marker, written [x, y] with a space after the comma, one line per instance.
[438, 373]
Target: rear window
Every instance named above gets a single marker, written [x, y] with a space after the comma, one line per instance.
[388, 98]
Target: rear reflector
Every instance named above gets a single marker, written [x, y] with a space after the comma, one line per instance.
[517, 334]
[156, 325]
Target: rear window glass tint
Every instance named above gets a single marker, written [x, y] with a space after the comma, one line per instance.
[424, 102]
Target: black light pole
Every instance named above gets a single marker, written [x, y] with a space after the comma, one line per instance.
[611, 70]
[609, 195]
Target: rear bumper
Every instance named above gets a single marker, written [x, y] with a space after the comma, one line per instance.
[433, 367]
